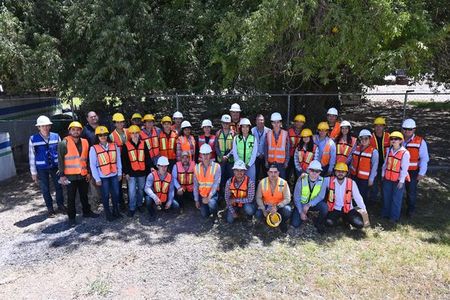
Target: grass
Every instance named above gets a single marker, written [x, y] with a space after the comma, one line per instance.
[431, 105]
[99, 287]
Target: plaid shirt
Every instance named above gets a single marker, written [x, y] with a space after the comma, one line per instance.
[250, 194]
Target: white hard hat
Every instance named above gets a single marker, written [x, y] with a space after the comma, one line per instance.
[226, 119]
[245, 121]
[364, 132]
[276, 117]
[185, 124]
[239, 165]
[332, 111]
[205, 149]
[43, 120]
[315, 165]
[177, 114]
[163, 161]
[346, 124]
[206, 123]
[409, 123]
[235, 107]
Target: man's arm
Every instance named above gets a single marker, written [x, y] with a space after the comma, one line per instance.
[31, 158]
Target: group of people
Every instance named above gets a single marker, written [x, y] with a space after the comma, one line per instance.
[247, 169]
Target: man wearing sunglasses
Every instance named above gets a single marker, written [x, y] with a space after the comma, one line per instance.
[418, 162]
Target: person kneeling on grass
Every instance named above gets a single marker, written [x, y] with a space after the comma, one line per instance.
[239, 193]
[309, 195]
[160, 189]
[341, 192]
[273, 195]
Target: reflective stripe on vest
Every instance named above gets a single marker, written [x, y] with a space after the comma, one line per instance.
[136, 156]
[202, 140]
[413, 146]
[362, 162]
[225, 143]
[161, 187]
[307, 194]
[152, 142]
[393, 164]
[205, 180]
[245, 147]
[294, 139]
[106, 159]
[240, 192]
[306, 157]
[347, 195]
[74, 162]
[186, 177]
[326, 153]
[167, 144]
[45, 153]
[188, 145]
[275, 197]
[343, 150]
[118, 139]
[276, 152]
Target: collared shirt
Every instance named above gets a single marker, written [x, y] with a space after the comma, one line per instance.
[148, 189]
[321, 146]
[261, 139]
[260, 202]
[287, 145]
[95, 169]
[250, 194]
[373, 164]
[403, 166]
[89, 134]
[32, 153]
[214, 186]
[339, 192]
[253, 154]
[424, 158]
[311, 185]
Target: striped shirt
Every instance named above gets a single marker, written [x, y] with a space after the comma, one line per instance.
[250, 194]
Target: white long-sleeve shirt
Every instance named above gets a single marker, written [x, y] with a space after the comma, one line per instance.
[424, 158]
[403, 166]
[32, 154]
[339, 192]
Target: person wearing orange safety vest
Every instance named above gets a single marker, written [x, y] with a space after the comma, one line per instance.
[418, 162]
[277, 146]
[333, 123]
[136, 165]
[235, 112]
[186, 141]
[73, 165]
[177, 119]
[380, 141]
[345, 143]
[341, 192]
[394, 174]
[294, 139]
[206, 183]
[160, 189]
[183, 179]
[150, 135]
[326, 153]
[168, 141]
[106, 169]
[206, 138]
[305, 152]
[364, 164]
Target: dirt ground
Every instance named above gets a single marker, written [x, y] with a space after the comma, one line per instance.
[185, 257]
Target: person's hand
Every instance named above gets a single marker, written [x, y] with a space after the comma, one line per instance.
[370, 183]
[119, 178]
[180, 191]
[127, 177]
[303, 175]
[98, 183]
[224, 158]
[235, 215]
[157, 201]
[420, 177]
[273, 209]
[265, 212]
[400, 185]
[306, 208]
[303, 216]
[63, 180]
[168, 204]
[197, 204]
[88, 177]
[205, 200]
[34, 177]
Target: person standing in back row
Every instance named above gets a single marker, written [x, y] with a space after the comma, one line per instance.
[260, 131]
[380, 141]
[277, 146]
[294, 139]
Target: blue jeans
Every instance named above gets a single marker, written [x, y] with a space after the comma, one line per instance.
[392, 200]
[44, 184]
[135, 192]
[211, 208]
[321, 207]
[248, 208]
[110, 185]
[284, 211]
[226, 173]
[376, 187]
[363, 187]
[411, 191]
[251, 172]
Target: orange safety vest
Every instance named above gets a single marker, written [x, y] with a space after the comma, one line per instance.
[186, 177]
[274, 197]
[187, 145]
[413, 147]
[161, 187]
[117, 138]
[167, 144]
[74, 162]
[335, 131]
[205, 179]
[326, 153]
[239, 192]
[212, 140]
[276, 149]
[347, 196]
[393, 165]
[136, 156]
[152, 142]
[343, 150]
[106, 159]
[306, 157]
[294, 139]
[386, 143]
[361, 162]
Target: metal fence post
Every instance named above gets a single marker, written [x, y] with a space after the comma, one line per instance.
[177, 102]
[404, 103]
[288, 109]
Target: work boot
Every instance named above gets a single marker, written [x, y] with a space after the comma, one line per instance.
[91, 214]
[62, 209]
[131, 213]
[123, 207]
[51, 213]
[72, 222]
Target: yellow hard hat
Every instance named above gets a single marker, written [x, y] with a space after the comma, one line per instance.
[134, 129]
[101, 130]
[273, 219]
[300, 118]
[323, 126]
[166, 119]
[118, 117]
[379, 121]
[136, 116]
[397, 134]
[148, 117]
[75, 124]
[306, 132]
[341, 166]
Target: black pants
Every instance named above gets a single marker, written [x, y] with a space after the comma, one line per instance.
[82, 187]
[185, 198]
[291, 170]
[261, 171]
[352, 217]
[172, 162]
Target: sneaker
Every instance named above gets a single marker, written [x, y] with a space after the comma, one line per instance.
[51, 213]
[62, 209]
[91, 214]
[72, 222]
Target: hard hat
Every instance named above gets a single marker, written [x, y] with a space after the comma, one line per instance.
[177, 114]
[75, 124]
[323, 126]
[185, 153]
[235, 107]
[136, 116]
[101, 130]
[306, 132]
[300, 118]
[396, 134]
[364, 132]
[245, 121]
[379, 121]
[225, 119]
[332, 111]
[206, 123]
[275, 117]
[273, 219]
[341, 166]
[163, 161]
[239, 165]
[185, 124]
[315, 165]
[346, 124]
[43, 120]
[205, 149]
[148, 117]
[409, 124]
[166, 119]
[118, 117]
[134, 129]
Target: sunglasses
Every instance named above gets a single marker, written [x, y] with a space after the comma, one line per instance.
[103, 135]
[314, 171]
[396, 139]
[408, 129]
[364, 138]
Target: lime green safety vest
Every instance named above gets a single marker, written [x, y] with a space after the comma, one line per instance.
[245, 147]
[306, 192]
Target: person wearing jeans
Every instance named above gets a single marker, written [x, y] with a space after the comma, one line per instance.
[260, 131]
